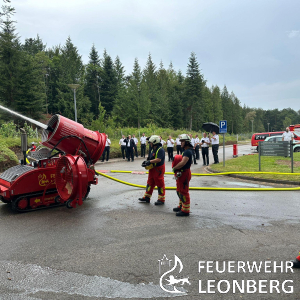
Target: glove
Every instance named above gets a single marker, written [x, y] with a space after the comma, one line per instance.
[173, 170]
[146, 163]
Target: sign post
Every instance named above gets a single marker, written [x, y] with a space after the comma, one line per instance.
[223, 130]
[280, 148]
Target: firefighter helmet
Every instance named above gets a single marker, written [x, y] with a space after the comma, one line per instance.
[184, 137]
[154, 139]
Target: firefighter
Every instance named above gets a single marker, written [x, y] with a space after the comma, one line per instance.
[156, 166]
[181, 168]
[33, 147]
[296, 262]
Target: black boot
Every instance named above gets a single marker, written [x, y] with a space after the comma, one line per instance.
[176, 209]
[145, 199]
[182, 214]
[296, 263]
[158, 202]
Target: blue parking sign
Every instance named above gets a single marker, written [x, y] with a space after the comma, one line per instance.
[223, 126]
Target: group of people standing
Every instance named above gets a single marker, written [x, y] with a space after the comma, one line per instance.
[129, 146]
[197, 143]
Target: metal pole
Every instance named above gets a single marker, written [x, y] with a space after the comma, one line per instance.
[223, 149]
[268, 127]
[75, 105]
[292, 156]
[259, 152]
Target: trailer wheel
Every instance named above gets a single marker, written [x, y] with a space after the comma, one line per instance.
[69, 203]
[58, 200]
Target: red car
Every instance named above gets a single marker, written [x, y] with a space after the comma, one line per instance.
[260, 137]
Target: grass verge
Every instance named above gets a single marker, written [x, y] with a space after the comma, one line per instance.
[249, 163]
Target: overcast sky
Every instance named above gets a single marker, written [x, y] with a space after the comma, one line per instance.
[252, 46]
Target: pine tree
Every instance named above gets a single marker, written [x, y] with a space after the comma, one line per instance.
[108, 90]
[139, 101]
[227, 106]
[31, 98]
[10, 60]
[150, 79]
[193, 91]
[175, 98]
[72, 71]
[92, 81]
[33, 46]
[216, 104]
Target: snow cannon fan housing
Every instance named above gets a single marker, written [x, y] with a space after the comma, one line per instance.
[63, 127]
[73, 179]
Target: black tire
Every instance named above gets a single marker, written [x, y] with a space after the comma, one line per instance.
[87, 193]
[68, 203]
[297, 149]
[57, 200]
[15, 204]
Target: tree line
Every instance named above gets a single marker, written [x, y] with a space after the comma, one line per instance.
[34, 81]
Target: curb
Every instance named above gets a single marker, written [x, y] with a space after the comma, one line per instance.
[258, 179]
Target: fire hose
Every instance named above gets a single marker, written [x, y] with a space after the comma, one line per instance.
[207, 188]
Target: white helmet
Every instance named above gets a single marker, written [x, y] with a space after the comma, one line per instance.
[184, 137]
[154, 139]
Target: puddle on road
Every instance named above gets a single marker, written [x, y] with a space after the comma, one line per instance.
[28, 279]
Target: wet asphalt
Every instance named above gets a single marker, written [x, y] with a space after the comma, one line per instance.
[110, 247]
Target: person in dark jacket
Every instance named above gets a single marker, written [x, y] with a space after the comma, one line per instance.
[130, 148]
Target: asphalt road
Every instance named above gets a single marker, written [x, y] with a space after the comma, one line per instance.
[112, 246]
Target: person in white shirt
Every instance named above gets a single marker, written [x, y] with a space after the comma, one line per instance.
[197, 142]
[287, 135]
[178, 146]
[123, 146]
[162, 141]
[106, 149]
[130, 147]
[135, 145]
[193, 149]
[143, 140]
[205, 141]
[215, 146]
[170, 148]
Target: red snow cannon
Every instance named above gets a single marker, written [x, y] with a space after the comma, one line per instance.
[62, 175]
[73, 138]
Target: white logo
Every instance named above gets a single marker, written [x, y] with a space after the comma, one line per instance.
[171, 280]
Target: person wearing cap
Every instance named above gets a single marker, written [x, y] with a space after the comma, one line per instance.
[156, 166]
[33, 147]
[182, 182]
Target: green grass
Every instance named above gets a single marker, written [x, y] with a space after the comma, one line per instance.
[249, 163]
[6, 154]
